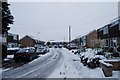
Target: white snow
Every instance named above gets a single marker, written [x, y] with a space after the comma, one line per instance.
[72, 68]
[6, 59]
[112, 60]
[15, 48]
[66, 69]
[107, 64]
[88, 54]
[70, 65]
[43, 57]
[6, 69]
[10, 56]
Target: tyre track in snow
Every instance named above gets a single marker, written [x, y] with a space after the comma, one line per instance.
[36, 69]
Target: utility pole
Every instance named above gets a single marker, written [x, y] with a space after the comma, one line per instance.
[69, 35]
[64, 39]
[38, 35]
[108, 36]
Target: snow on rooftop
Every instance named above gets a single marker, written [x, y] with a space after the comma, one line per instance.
[112, 60]
[15, 48]
[107, 64]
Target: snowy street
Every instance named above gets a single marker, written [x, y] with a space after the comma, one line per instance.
[58, 63]
[40, 67]
[60, 40]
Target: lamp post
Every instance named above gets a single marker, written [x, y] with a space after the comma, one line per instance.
[69, 36]
[37, 35]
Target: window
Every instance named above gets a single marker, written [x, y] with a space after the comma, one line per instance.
[106, 42]
[15, 37]
[111, 43]
[105, 31]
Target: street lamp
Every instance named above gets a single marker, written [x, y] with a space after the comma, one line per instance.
[37, 35]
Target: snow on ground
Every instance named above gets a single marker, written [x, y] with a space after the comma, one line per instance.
[89, 53]
[72, 68]
[43, 57]
[10, 56]
[6, 69]
[65, 69]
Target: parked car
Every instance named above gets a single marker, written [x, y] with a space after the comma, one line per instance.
[72, 46]
[50, 46]
[25, 54]
[42, 50]
[55, 46]
[60, 46]
[12, 50]
[46, 49]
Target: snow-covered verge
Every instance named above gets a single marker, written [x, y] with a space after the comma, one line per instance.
[71, 67]
[91, 53]
[91, 57]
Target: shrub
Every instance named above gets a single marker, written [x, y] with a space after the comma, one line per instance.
[110, 50]
[93, 63]
[115, 54]
[118, 49]
[4, 51]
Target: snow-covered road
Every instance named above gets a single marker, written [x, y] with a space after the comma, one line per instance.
[38, 68]
[58, 63]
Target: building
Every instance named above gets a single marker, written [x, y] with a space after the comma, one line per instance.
[77, 41]
[12, 40]
[3, 39]
[29, 41]
[92, 39]
[109, 35]
[83, 41]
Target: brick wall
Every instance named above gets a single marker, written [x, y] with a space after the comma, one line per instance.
[92, 40]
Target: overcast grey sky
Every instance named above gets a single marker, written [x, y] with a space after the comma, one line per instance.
[50, 20]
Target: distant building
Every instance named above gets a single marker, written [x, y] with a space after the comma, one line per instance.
[12, 40]
[77, 41]
[109, 35]
[83, 41]
[3, 39]
[29, 41]
[92, 39]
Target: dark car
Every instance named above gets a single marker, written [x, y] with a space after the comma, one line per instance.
[55, 46]
[46, 49]
[25, 54]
